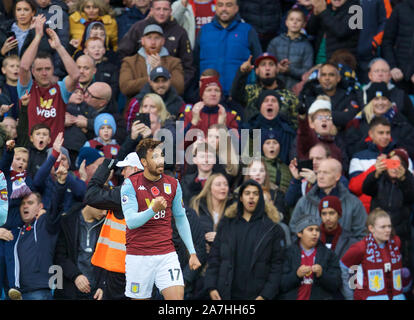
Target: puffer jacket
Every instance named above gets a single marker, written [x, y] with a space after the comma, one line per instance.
[299, 52]
[263, 15]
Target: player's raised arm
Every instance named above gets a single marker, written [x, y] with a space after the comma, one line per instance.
[183, 227]
[133, 218]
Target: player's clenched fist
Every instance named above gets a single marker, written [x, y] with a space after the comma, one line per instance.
[159, 204]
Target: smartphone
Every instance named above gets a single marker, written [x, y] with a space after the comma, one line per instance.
[143, 118]
[11, 34]
[302, 164]
[391, 163]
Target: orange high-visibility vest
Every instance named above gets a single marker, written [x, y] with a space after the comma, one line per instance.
[110, 249]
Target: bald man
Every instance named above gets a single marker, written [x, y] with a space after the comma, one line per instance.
[87, 70]
[353, 212]
[98, 95]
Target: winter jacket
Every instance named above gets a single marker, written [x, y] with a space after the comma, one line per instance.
[262, 246]
[103, 197]
[67, 251]
[176, 42]
[237, 42]
[286, 132]
[373, 24]
[324, 287]
[108, 72]
[127, 18]
[353, 213]
[77, 21]
[402, 134]
[263, 15]
[75, 138]
[362, 164]
[398, 40]
[335, 25]
[394, 197]
[134, 73]
[299, 52]
[35, 245]
[247, 94]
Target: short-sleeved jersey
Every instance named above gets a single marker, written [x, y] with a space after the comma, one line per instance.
[155, 236]
[47, 105]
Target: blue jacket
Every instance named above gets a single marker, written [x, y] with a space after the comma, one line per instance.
[44, 183]
[35, 246]
[225, 49]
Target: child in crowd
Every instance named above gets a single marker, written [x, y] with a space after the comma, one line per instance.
[106, 71]
[10, 69]
[105, 128]
[310, 270]
[279, 173]
[292, 49]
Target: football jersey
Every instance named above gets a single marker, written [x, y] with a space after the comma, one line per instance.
[155, 236]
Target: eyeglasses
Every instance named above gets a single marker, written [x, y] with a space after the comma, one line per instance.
[92, 96]
[321, 117]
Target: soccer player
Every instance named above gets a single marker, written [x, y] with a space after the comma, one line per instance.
[149, 199]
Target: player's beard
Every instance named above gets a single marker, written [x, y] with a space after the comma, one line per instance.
[157, 170]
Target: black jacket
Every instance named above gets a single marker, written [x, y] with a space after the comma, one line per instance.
[323, 288]
[66, 255]
[335, 24]
[262, 269]
[395, 198]
[263, 15]
[108, 72]
[101, 197]
[398, 40]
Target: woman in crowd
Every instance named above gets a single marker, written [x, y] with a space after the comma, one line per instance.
[379, 259]
[81, 21]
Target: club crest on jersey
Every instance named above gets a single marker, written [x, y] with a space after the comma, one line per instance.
[114, 151]
[52, 91]
[134, 287]
[167, 188]
[155, 191]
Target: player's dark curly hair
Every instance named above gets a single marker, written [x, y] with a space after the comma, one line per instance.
[146, 144]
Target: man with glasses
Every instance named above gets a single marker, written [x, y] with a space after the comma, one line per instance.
[98, 96]
[380, 71]
[319, 127]
[47, 99]
[344, 105]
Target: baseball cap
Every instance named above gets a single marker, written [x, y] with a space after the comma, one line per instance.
[159, 72]
[131, 160]
[264, 55]
[153, 28]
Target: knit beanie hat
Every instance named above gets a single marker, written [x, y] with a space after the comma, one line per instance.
[319, 105]
[267, 134]
[266, 93]
[306, 221]
[209, 81]
[378, 89]
[89, 154]
[332, 202]
[63, 150]
[104, 119]
[402, 154]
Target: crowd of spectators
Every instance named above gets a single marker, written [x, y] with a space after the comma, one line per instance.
[289, 125]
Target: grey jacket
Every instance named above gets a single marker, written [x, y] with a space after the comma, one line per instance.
[299, 51]
[353, 213]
